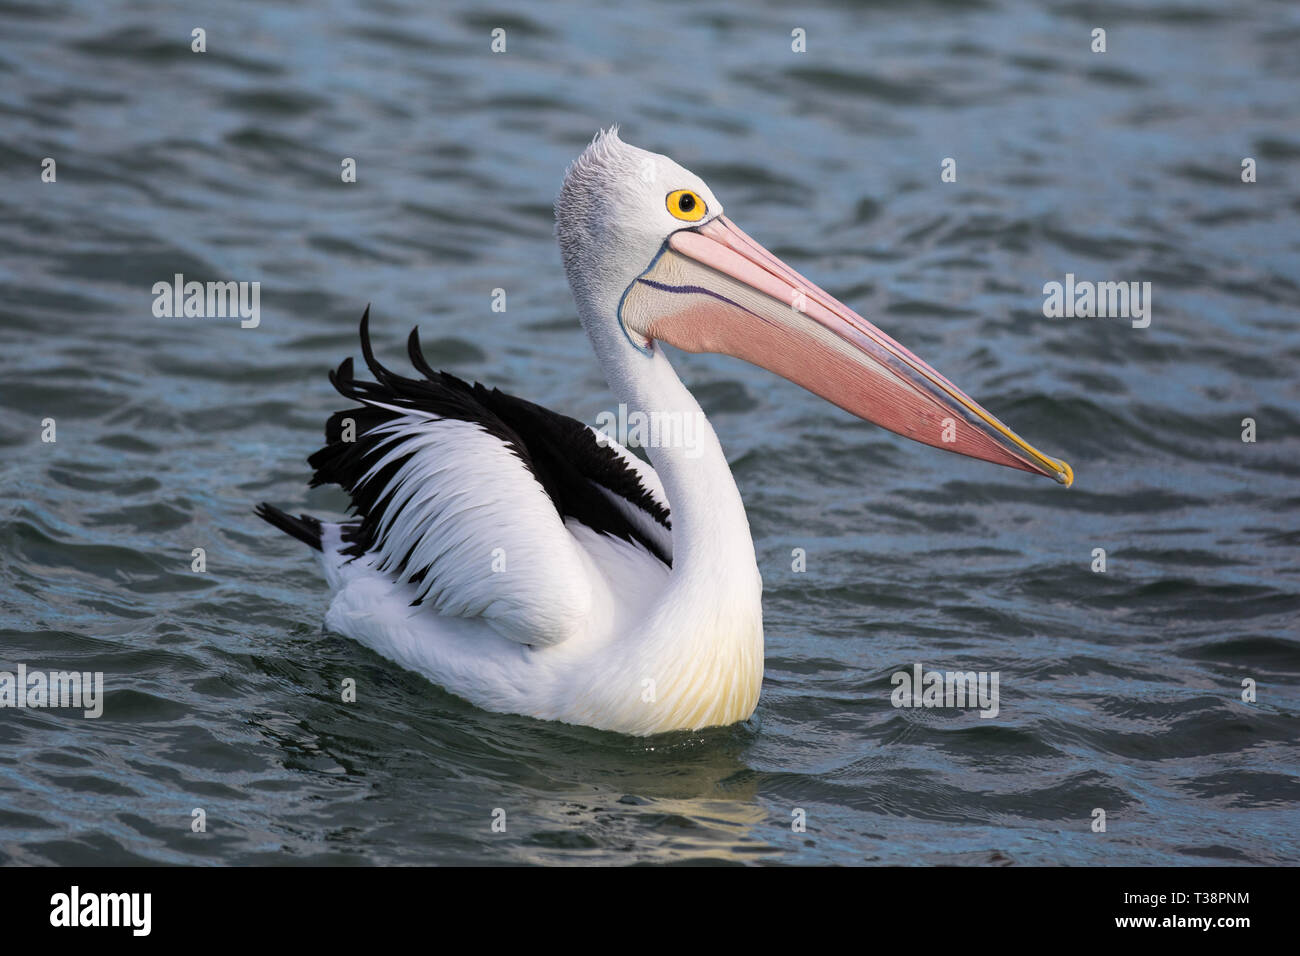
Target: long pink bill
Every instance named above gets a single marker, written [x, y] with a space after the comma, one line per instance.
[714, 289]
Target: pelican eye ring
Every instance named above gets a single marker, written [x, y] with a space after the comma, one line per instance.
[686, 205]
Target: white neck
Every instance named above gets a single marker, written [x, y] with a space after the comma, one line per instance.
[713, 553]
[703, 637]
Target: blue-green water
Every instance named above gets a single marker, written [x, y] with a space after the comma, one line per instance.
[1120, 690]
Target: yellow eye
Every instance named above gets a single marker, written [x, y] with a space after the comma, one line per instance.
[687, 205]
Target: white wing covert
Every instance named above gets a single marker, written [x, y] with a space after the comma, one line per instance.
[463, 493]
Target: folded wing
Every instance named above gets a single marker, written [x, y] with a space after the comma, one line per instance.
[464, 493]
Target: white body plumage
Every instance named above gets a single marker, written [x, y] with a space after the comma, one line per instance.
[549, 618]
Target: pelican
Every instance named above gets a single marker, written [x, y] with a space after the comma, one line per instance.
[532, 565]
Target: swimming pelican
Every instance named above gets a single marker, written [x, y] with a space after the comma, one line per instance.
[530, 565]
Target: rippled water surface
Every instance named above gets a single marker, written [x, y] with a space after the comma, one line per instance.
[1119, 690]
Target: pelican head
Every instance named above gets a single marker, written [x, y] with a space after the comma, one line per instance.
[651, 258]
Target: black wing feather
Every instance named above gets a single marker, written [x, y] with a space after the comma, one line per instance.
[561, 453]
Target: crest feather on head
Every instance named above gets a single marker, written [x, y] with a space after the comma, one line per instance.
[582, 207]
